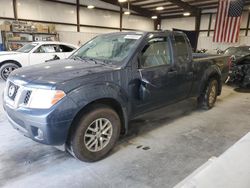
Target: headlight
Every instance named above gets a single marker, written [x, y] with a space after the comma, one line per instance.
[44, 99]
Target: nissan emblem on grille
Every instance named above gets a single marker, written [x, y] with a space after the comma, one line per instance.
[12, 90]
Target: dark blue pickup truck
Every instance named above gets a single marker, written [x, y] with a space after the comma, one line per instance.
[85, 102]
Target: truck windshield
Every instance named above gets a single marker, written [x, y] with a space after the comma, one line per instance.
[27, 48]
[111, 48]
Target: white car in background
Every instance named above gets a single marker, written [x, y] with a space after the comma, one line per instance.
[33, 53]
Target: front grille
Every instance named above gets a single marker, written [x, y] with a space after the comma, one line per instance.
[27, 97]
[12, 91]
[17, 95]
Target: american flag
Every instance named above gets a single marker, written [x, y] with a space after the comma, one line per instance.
[227, 25]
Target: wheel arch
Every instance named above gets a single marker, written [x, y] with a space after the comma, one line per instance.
[213, 73]
[110, 102]
[10, 61]
[218, 78]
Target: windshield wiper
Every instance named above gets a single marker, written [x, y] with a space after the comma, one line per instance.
[96, 61]
[75, 57]
[89, 59]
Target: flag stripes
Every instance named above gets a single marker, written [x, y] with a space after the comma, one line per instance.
[228, 20]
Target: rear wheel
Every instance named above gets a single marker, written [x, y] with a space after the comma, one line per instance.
[95, 134]
[6, 69]
[209, 97]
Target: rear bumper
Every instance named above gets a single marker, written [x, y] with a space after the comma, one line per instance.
[44, 126]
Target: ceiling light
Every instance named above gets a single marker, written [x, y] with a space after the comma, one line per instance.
[159, 8]
[127, 13]
[91, 6]
[122, 1]
[186, 14]
[154, 17]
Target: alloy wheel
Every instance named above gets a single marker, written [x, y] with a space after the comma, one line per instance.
[98, 134]
[212, 94]
[7, 70]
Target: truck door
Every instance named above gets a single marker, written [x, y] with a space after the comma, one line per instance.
[157, 74]
[183, 65]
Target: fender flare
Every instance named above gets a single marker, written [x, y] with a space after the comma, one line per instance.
[215, 72]
[89, 94]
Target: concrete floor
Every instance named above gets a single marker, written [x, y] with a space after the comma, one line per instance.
[161, 149]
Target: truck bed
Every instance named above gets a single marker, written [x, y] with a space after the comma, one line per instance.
[221, 61]
[204, 55]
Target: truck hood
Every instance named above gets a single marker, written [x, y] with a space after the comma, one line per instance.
[57, 72]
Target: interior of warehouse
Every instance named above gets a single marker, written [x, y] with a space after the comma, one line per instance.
[106, 18]
[124, 93]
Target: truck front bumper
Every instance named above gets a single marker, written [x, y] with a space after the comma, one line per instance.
[49, 127]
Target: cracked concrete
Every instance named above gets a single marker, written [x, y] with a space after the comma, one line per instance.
[178, 139]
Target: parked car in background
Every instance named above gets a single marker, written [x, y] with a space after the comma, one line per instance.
[85, 102]
[237, 52]
[33, 53]
[239, 73]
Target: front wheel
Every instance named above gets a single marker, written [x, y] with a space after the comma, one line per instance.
[6, 69]
[95, 134]
[208, 98]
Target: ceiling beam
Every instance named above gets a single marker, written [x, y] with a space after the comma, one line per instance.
[185, 6]
[172, 16]
[150, 3]
[137, 1]
[171, 9]
[141, 11]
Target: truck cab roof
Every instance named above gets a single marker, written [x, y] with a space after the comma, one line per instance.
[146, 32]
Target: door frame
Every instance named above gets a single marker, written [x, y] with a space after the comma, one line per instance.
[148, 106]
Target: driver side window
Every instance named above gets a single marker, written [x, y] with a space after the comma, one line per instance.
[48, 48]
[156, 53]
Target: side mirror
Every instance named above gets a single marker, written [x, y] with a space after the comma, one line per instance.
[144, 82]
[144, 87]
[144, 93]
[233, 58]
[54, 58]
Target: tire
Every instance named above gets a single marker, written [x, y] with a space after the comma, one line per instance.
[6, 69]
[208, 98]
[243, 85]
[85, 139]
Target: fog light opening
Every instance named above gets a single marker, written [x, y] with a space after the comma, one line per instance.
[39, 134]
